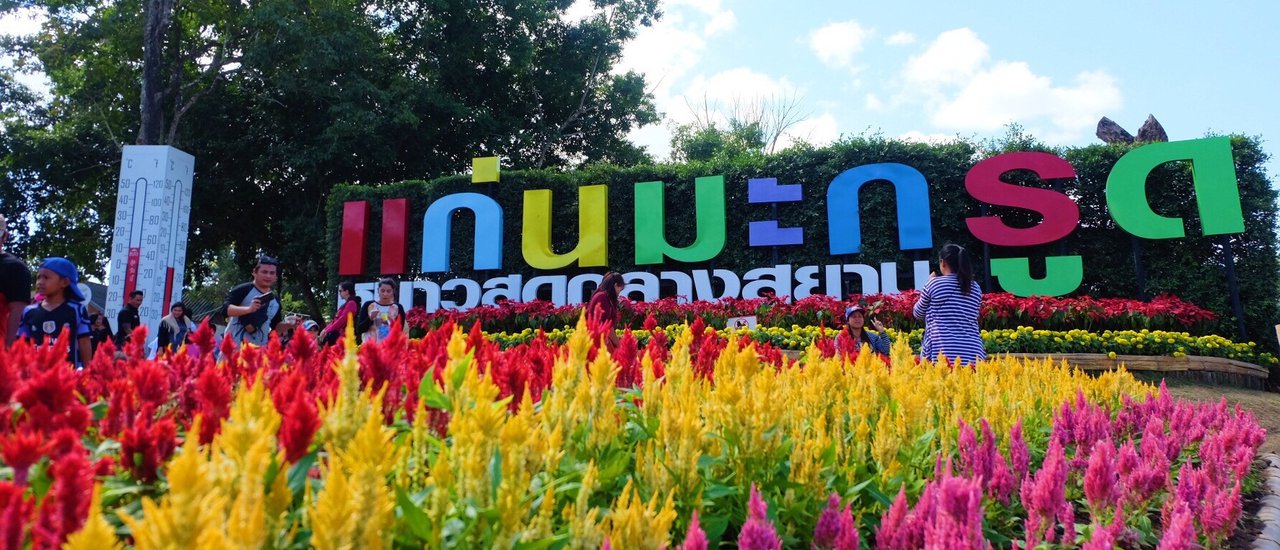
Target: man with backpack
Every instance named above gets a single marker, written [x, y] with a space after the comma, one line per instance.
[252, 309]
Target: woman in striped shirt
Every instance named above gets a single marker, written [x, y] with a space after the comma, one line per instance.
[949, 305]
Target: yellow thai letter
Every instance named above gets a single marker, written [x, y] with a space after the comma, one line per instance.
[593, 229]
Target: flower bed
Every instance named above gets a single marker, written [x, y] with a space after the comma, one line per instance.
[999, 310]
[1017, 340]
[451, 441]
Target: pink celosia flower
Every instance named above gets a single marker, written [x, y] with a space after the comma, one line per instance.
[1100, 477]
[758, 532]
[694, 538]
[1019, 454]
[1179, 531]
[835, 529]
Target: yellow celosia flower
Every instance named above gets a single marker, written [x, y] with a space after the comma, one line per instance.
[634, 524]
[96, 533]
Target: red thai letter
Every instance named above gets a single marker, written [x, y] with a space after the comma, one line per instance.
[1061, 214]
[395, 229]
[355, 222]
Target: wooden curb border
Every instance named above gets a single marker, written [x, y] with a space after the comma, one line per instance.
[1212, 370]
[1269, 513]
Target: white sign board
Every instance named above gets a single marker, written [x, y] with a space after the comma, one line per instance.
[149, 245]
[748, 321]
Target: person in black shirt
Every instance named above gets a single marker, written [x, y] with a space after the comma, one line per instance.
[15, 289]
[128, 318]
[61, 307]
[99, 330]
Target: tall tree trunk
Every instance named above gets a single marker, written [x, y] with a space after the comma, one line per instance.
[158, 15]
[309, 296]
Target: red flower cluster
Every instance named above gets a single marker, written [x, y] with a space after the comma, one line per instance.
[999, 310]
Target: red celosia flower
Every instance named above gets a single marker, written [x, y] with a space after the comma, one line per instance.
[66, 507]
[145, 446]
[213, 398]
[299, 416]
[15, 512]
[50, 402]
[20, 451]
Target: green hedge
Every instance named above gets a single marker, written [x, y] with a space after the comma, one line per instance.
[1190, 268]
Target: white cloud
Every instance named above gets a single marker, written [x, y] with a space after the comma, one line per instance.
[901, 38]
[721, 22]
[961, 89]
[22, 22]
[950, 59]
[837, 44]
[579, 10]
[663, 53]
[874, 104]
[740, 84]
[820, 130]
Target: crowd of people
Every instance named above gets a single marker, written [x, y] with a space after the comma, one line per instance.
[949, 305]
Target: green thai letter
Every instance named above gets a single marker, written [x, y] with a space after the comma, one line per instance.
[1062, 275]
[1213, 174]
[651, 237]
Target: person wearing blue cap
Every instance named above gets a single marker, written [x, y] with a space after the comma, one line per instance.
[61, 307]
[856, 333]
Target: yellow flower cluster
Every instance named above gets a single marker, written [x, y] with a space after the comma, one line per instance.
[590, 461]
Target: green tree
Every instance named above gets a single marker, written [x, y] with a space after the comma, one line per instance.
[280, 100]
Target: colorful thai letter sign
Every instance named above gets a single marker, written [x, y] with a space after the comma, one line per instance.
[1212, 167]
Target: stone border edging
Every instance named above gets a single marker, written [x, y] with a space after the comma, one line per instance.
[1269, 513]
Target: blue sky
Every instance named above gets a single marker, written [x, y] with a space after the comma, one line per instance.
[929, 70]
[933, 70]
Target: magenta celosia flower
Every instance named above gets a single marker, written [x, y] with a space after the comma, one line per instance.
[694, 538]
[1001, 484]
[1019, 454]
[896, 529]
[1100, 477]
[1044, 498]
[1179, 531]
[835, 529]
[758, 532]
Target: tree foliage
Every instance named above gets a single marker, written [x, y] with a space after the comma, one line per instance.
[279, 100]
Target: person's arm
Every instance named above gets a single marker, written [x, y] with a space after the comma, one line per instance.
[232, 308]
[123, 326]
[922, 304]
[881, 343]
[275, 321]
[162, 335]
[85, 349]
[15, 322]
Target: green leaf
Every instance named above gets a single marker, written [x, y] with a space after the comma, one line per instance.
[495, 470]
[431, 395]
[460, 372]
[299, 473]
[716, 490]
[417, 520]
[542, 544]
[714, 527]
